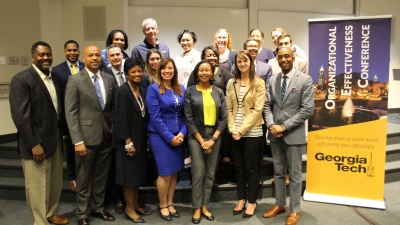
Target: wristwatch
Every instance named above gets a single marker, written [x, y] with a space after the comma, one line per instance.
[213, 138]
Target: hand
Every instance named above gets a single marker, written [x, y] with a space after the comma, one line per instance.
[131, 152]
[181, 136]
[208, 150]
[207, 144]
[38, 153]
[176, 141]
[80, 150]
[276, 130]
[237, 135]
[64, 144]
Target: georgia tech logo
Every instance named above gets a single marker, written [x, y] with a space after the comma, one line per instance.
[353, 164]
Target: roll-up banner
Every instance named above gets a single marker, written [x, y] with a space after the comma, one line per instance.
[346, 153]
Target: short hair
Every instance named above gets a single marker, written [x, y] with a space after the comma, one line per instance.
[248, 40]
[278, 29]
[254, 29]
[111, 37]
[111, 46]
[196, 69]
[130, 63]
[282, 36]
[176, 87]
[229, 44]
[70, 42]
[212, 48]
[189, 32]
[36, 44]
[145, 21]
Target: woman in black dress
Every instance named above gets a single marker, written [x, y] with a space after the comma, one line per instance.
[131, 119]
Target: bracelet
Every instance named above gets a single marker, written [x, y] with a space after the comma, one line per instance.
[128, 146]
[213, 138]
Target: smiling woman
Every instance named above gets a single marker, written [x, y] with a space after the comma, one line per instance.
[186, 61]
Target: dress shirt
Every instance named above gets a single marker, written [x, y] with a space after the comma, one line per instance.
[76, 66]
[49, 85]
[100, 79]
[115, 72]
[289, 77]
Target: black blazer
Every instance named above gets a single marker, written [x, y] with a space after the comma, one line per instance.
[63, 71]
[194, 113]
[129, 122]
[33, 113]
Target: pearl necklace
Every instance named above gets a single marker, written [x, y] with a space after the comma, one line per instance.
[139, 100]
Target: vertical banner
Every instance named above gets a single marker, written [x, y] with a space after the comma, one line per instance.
[346, 153]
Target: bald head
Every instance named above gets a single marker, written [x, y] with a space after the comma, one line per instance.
[285, 59]
[92, 59]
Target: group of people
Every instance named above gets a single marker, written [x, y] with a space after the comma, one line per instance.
[111, 112]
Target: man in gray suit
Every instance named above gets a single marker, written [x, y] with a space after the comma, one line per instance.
[89, 108]
[289, 103]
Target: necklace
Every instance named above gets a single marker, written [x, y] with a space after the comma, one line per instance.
[139, 100]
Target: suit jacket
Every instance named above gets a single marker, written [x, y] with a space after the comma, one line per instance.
[63, 71]
[264, 71]
[297, 106]
[129, 122]
[86, 120]
[252, 103]
[33, 113]
[194, 110]
[166, 118]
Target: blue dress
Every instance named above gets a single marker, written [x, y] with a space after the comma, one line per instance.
[166, 121]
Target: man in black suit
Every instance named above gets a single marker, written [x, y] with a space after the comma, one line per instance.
[89, 109]
[36, 102]
[63, 70]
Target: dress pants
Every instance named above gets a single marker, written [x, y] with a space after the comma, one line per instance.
[69, 155]
[290, 155]
[43, 183]
[91, 178]
[203, 168]
[245, 154]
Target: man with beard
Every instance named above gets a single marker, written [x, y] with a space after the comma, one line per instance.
[89, 109]
[69, 67]
[36, 102]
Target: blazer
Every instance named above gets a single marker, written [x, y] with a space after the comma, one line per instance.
[63, 71]
[194, 111]
[297, 106]
[33, 113]
[86, 120]
[129, 122]
[264, 71]
[252, 103]
[166, 118]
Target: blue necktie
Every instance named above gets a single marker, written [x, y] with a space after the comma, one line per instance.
[283, 88]
[98, 91]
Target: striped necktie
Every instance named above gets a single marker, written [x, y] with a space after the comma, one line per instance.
[283, 88]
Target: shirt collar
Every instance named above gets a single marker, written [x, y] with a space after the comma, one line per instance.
[290, 74]
[41, 74]
[115, 71]
[91, 74]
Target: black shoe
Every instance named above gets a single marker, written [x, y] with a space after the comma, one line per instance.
[237, 212]
[140, 220]
[245, 215]
[144, 212]
[174, 214]
[210, 217]
[166, 218]
[196, 220]
[103, 215]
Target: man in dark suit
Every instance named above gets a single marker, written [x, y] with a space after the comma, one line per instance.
[36, 102]
[289, 103]
[89, 108]
[63, 70]
[263, 70]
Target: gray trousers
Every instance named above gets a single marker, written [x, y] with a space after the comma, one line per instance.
[203, 168]
[91, 178]
[290, 155]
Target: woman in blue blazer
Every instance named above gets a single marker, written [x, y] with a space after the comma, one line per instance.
[167, 130]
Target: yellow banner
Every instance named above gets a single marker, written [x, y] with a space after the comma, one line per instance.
[348, 161]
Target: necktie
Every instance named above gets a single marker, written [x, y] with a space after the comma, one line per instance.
[283, 88]
[121, 78]
[74, 69]
[98, 91]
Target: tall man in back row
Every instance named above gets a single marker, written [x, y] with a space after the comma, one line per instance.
[89, 108]
[36, 102]
[289, 103]
[150, 31]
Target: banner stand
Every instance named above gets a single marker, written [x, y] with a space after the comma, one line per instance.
[344, 200]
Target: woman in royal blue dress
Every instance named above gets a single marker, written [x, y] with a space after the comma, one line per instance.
[167, 130]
